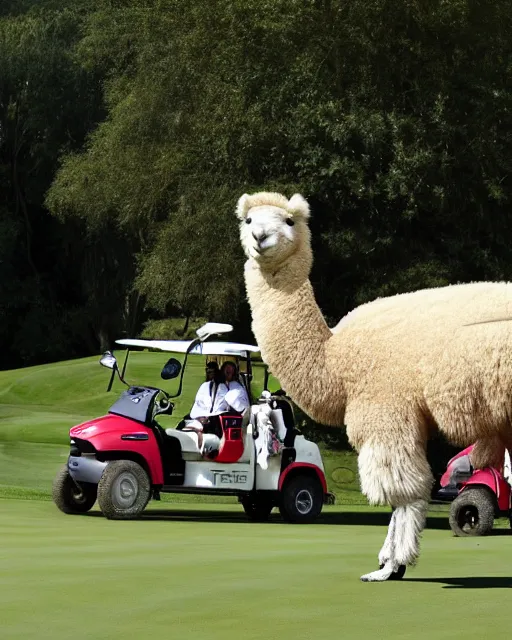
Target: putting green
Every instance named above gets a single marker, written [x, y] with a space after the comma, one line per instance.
[208, 574]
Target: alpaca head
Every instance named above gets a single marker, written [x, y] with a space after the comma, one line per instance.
[273, 228]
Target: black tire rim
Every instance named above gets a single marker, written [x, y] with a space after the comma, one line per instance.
[304, 502]
[468, 518]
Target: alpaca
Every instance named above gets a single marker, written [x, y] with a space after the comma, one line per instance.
[393, 370]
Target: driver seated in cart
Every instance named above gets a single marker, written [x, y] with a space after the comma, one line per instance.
[210, 395]
[236, 397]
[220, 393]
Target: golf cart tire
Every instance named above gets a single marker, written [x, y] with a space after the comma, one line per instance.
[301, 499]
[473, 501]
[257, 509]
[71, 497]
[124, 490]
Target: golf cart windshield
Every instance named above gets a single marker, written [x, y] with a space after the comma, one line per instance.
[214, 355]
[239, 352]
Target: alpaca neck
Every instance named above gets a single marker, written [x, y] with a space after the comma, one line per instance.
[293, 337]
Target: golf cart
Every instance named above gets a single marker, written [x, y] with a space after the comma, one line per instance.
[479, 495]
[125, 458]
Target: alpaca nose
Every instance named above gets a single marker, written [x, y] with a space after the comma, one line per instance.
[259, 236]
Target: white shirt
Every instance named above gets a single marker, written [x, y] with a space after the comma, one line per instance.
[204, 399]
[239, 401]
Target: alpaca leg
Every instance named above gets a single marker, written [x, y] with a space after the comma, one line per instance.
[489, 452]
[388, 565]
[403, 541]
[386, 552]
[397, 474]
[411, 521]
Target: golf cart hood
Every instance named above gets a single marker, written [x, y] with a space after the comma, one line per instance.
[113, 433]
[94, 429]
[109, 430]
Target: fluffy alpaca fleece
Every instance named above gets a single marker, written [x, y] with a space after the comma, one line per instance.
[392, 370]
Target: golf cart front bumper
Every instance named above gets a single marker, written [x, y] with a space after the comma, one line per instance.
[447, 494]
[85, 468]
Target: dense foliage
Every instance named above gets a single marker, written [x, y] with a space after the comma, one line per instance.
[129, 129]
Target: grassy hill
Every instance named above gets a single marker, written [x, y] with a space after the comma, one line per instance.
[38, 405]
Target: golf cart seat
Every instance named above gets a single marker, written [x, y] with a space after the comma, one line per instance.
[188, 441]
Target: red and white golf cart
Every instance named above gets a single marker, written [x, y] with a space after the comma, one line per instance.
[125, 458]
[479, 495]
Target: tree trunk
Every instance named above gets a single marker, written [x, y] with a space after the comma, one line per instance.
[185, 328]
[104, 339]
[133, 308]
[21, 205]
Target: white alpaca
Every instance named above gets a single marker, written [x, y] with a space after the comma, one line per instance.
[392, 371]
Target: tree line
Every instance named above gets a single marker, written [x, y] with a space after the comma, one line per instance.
[128, 130]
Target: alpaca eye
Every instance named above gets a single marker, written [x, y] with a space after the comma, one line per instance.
[290, 222]
[248, 221]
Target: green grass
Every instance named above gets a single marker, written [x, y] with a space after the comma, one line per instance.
[200, 570]
[208, 574]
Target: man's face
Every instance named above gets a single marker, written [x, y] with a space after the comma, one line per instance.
[210, 373]
[229, 372]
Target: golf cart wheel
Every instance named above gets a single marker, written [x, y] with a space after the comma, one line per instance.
[123, 490]
[257, 509]
[472, 512]
[71, 496]
[301, 499]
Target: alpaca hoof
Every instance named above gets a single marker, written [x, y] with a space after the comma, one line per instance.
[385, 572]
[398, 574]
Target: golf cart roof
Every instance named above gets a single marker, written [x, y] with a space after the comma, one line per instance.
[203, 348]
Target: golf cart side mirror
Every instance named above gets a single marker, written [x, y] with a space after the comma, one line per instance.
[211, 328]
[108, 360]
[171, 369]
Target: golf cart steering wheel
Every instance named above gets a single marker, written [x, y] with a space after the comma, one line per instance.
[164, 405]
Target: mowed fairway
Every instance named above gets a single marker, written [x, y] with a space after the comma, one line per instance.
[194, 567]
[206, 573]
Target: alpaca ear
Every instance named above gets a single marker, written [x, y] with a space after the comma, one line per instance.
[298, 205]
[243, 206]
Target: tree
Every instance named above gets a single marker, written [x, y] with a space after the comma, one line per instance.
[392, 118]
[46, 106]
